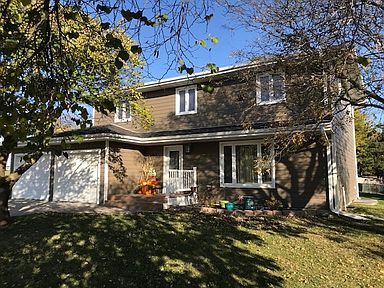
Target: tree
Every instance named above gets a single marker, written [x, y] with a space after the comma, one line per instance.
[50, 67]
[56, 56]
[369, 146]
[335, 33]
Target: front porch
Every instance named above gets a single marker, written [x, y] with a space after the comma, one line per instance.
[179, 188]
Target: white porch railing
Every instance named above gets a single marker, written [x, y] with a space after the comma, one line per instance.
[181, 180]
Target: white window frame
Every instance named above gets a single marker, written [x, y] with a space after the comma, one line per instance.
[271, 90]
[233, 144]
[186, 88]
[126, 117]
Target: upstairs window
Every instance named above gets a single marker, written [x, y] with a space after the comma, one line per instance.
[123, 113]
[186, 100]
[270, 89]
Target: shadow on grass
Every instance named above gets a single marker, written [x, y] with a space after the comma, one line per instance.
[179, 249]
[149, 250]
[376, 210]
[349, 231]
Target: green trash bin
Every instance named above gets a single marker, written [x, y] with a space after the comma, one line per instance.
[249, 202]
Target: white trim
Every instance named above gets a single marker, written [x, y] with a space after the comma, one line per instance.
[8, 166]
[233, 144]
[166, 150]
[199, 77]
[98, 176]
[177, 102]
[171, 139]
[331, 190]
[93, 116]
[106, 170]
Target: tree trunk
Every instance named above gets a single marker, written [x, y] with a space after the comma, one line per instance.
[5, 193]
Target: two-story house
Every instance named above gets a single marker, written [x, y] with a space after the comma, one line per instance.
[205, 146]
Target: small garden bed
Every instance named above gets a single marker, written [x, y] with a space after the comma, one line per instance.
[263, 212]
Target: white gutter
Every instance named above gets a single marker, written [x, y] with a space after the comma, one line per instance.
[182, 138]
[331, 180]
[331, 187]
[160, 140]
[200, 76]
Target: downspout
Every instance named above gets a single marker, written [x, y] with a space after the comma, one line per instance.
[355, 154]
[331, 186]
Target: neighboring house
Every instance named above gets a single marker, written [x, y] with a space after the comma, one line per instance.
[208, 141]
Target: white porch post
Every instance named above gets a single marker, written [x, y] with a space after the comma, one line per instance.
[194, 192]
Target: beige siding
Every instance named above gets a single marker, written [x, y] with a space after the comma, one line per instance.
[225, 107]
[300, 178]
[344, 145]
[101, 119]
[155, 155]
[125, 168]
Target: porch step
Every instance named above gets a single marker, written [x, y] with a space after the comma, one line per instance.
[137, 202]
[137, 207]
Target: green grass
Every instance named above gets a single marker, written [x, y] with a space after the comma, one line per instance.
[374, 210]
[186, 249]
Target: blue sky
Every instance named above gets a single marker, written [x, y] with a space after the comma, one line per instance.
[219, 54]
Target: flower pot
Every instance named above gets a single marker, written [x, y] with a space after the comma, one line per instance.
[222, 203]
[230, 206]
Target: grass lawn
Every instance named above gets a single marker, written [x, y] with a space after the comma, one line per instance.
[375, 210]
[186, 249]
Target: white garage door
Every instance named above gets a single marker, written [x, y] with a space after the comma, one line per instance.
[34, 183]
[77, 177]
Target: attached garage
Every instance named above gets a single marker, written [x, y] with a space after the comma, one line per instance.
[76, 178]
[72, 179]
[34, 183]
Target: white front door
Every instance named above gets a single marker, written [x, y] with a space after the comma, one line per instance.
[173, 160]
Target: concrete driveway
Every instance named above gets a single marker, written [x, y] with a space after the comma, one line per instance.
[23, 207]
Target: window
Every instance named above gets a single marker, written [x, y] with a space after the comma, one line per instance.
[271, 89]
[186, 100]
[18, 160]
[123, 113]
[238, 167]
